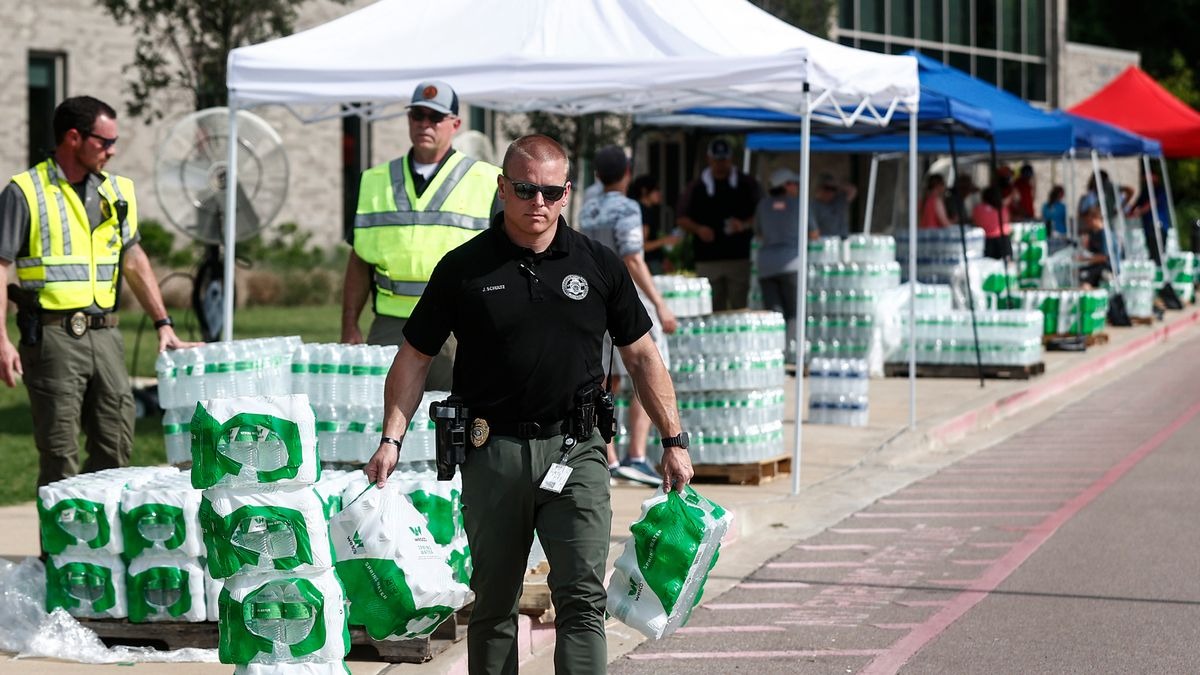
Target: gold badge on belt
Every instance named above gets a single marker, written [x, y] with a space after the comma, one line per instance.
[479, 432]
[77, 325]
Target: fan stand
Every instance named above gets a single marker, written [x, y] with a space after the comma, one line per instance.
[208, 293]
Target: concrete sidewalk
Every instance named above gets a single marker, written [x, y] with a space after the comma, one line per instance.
[947, 411]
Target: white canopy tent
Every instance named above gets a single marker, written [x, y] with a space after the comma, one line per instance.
[572, 57]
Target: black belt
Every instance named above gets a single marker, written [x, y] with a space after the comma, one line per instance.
[78, 323]
[529, 430]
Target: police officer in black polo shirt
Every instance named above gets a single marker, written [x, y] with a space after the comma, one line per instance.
[529, 301]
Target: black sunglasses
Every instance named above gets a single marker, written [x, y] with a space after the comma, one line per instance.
[105, 143]
[422, 114]
[526, 191]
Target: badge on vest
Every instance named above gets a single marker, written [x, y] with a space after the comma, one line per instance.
[575, 287]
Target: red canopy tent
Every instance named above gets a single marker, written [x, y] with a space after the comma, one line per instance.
[1135, 102]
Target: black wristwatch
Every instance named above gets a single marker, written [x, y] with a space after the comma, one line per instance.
[680, 441]
[165, 321]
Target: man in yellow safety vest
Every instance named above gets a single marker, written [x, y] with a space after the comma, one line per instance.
[411, 212]
[70, 230]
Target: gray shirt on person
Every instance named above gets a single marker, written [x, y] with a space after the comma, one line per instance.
[778, 223]
[833, 216]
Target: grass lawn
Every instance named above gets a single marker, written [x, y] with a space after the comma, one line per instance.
[18, 456]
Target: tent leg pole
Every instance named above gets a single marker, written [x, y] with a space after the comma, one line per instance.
[961, 207]
[912, 269]
[1162, 162]
[869, 211]
[1111, 246]
[231, 178]
[1153, 199]
[802, 292]
[1072, 205]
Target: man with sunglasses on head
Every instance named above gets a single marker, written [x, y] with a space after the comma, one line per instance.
[411, 211]
[530, 300]
[68, 235]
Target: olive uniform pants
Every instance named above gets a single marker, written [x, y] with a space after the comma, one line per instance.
[389, 330]
[502, 507]
[73, 382]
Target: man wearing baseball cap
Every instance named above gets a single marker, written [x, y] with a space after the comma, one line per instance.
[717, 209]
[411, 212]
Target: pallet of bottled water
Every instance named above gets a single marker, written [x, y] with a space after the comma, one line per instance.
[335, 373]
[838, 392]
[1069, 311]
[1005, 338]
[349, 433]
[932, 298]
[685, 296]
[1138, 270]
[854, 276]
[1030, 250]
[732, 350]
[253, 367]
[1139, 297]
[872, 249]
[730, 427]
[1180, 270]
[940, 251]
[825, 250]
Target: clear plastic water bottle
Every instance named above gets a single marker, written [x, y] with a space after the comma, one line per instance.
[79, 523]
[164, 369]
[255, 447]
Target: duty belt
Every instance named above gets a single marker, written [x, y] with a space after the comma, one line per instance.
[523, 430]
[79, 323]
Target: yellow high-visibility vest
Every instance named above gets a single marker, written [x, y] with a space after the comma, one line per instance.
[71, 266]
[403, 236]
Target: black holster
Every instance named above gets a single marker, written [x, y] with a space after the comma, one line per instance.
[29, 322]
[450, 431]
[594, 409]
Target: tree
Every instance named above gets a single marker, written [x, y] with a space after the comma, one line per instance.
[809, 15]
[185, 44]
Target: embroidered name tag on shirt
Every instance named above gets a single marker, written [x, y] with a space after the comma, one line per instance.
[490, 289]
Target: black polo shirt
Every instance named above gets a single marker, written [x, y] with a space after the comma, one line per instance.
[530, 326]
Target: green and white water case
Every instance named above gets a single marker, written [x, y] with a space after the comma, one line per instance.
[91, 586]
[310, 668]
[81, 514]
[295, 617]
[165, 588]
[264, 528]
[659, 577]
[254, 440]
[397, 577]
[162, 517]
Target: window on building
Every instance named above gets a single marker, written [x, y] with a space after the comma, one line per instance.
[1035, 82]
[931, 20]
[47, 88]
[1010, 25]
[985, 24]
[1035, 27]
[959, 23]
[846, 14]
[960, 60]
[903, 14]
[871, 17]
[985, 69]
[1011, 78]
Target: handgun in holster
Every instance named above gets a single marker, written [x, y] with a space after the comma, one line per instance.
[594, 410]
[450, 429]
[29, 323]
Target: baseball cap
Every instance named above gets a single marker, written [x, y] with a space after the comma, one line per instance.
[435, 95]
[610, 164]
[719, 148]
[783, 176]
[826, 180]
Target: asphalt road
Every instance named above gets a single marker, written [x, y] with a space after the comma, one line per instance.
[1069, 547]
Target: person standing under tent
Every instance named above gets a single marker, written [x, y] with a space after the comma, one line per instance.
[1025, 185]
[1054, 215]
[1141, 207]
[830, 206]
[991, 215]
[933, 207]
[616, 221]
[68, 236]
[411, 211]
[1094, 259]
[530, 300]
[778, 223]
[717, 209]
[645, 191]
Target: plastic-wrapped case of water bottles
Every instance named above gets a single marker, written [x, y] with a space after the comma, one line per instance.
[729, 427]
[685, 296]
[1180, 269]
[1139, 297]
[826, 250]
[1068, 311]
[837, 392]
[734, 350]
[872, 249]
[1030, 251]
[349, 434]
[252, 367]
[1138, 270]
[1006, 338]
[854, 276]
[939, 251]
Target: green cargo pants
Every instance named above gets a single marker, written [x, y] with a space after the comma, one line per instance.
[502, 507]
[389, 330]
[73, 382]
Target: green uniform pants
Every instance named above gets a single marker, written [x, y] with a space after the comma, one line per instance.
[502, 507]
[389, 330]
[74, 382]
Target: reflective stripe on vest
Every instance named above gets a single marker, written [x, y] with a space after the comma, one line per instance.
[455, 207]
[70, 264]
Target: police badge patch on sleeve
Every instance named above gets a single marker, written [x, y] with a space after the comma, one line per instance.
[575, 287]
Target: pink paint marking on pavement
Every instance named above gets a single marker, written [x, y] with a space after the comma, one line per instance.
[926, 502]
[868, 530]
[816, 565]
[993, 544]
[994, 490]
[962, 481]
[1023, 469]
[979, 563]
[784, 654]
[896, 626]
[954, 582]
[698, 630]
[836, 547]
[923, 603]
[772, 585]
[905, 648]
[953, 514]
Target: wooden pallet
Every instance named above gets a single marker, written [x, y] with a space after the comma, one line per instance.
[752, 473]
[1093, 339]
[1142, 320]
[179, 635]
[967, 371]
[535, 595]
